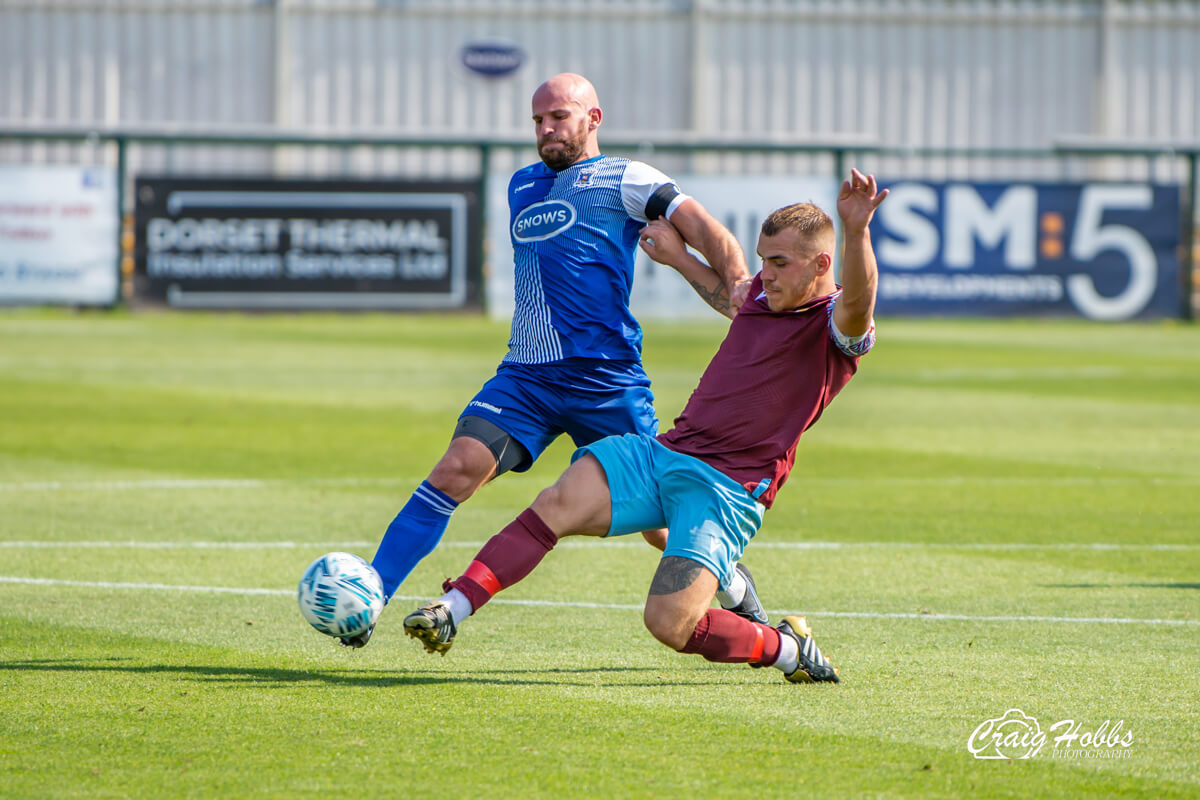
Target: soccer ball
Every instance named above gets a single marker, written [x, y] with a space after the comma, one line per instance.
[340, 594]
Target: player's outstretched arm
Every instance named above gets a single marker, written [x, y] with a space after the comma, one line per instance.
[662, 242]
[856, 204]
[721, 249]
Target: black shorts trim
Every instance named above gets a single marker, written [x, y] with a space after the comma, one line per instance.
[510, 454]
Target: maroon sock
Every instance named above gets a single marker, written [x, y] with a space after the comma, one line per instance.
[507, 557]
[725, 637]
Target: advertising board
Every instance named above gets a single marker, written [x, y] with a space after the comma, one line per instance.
[265, 243]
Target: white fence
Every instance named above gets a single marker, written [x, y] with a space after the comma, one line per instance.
[994, 74]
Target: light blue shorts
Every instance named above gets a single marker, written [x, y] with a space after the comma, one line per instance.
[709, 517]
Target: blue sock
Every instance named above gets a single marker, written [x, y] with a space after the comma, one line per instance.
[413, 534]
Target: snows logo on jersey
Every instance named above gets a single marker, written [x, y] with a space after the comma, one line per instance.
[543, 221]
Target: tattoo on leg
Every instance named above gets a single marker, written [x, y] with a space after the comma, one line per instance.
[674, 574]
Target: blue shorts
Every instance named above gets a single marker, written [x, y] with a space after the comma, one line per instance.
[586, 399]
[710, 518]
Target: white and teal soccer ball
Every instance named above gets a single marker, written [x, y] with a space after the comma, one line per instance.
[340, 594]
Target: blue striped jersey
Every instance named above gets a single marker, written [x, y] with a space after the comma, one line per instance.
[574, 236]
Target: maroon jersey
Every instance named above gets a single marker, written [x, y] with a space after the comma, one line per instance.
[770, 380]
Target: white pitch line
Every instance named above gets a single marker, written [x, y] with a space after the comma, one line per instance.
[163, 587]
[135, 545]
[174, 484]
[634, 543]
[154, 587]
[990, 618]
[193, 483]
[971, 546]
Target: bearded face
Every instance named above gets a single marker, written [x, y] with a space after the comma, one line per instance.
[559, 150]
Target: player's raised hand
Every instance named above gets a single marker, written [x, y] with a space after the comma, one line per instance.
[858, 199]
[662, 242]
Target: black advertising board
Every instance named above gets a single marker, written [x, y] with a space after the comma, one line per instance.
[307, 244]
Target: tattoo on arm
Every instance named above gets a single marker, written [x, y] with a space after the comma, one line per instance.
[674, 574]
[717, 297]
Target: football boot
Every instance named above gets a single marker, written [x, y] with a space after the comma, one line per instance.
[813, 667]
[433, 626]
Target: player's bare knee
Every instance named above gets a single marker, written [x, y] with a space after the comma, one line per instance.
[656, 538]
[461, 472]
[551, 502]
[666, 626]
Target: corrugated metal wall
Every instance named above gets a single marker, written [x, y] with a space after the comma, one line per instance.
[909, 74]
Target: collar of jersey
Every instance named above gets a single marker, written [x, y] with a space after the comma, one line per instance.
[815, 301]
[585, 161]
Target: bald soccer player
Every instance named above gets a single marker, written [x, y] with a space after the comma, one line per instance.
[574, 361]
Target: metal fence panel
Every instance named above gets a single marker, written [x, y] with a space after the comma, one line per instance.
[911, 74]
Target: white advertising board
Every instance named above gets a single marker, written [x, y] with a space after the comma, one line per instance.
[740, 202]
[58, 235]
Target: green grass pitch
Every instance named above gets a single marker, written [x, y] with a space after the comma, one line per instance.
[993, 516]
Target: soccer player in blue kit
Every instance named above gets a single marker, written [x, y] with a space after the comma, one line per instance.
[574, 359]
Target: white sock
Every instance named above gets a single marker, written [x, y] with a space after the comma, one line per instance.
[789, 655]
[732, 596]
[460, 606]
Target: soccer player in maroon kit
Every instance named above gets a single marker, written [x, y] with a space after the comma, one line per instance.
[793, 345]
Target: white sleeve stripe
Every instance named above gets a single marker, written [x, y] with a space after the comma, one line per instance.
[853, 346]
[678, 201]
[850, 341]
[639, 181]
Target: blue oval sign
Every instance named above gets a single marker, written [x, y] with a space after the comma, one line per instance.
[492, 59]
[543, 221]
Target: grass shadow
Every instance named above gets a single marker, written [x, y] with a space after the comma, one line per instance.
[272, 677]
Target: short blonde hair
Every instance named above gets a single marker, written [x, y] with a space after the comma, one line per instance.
[804, 218]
